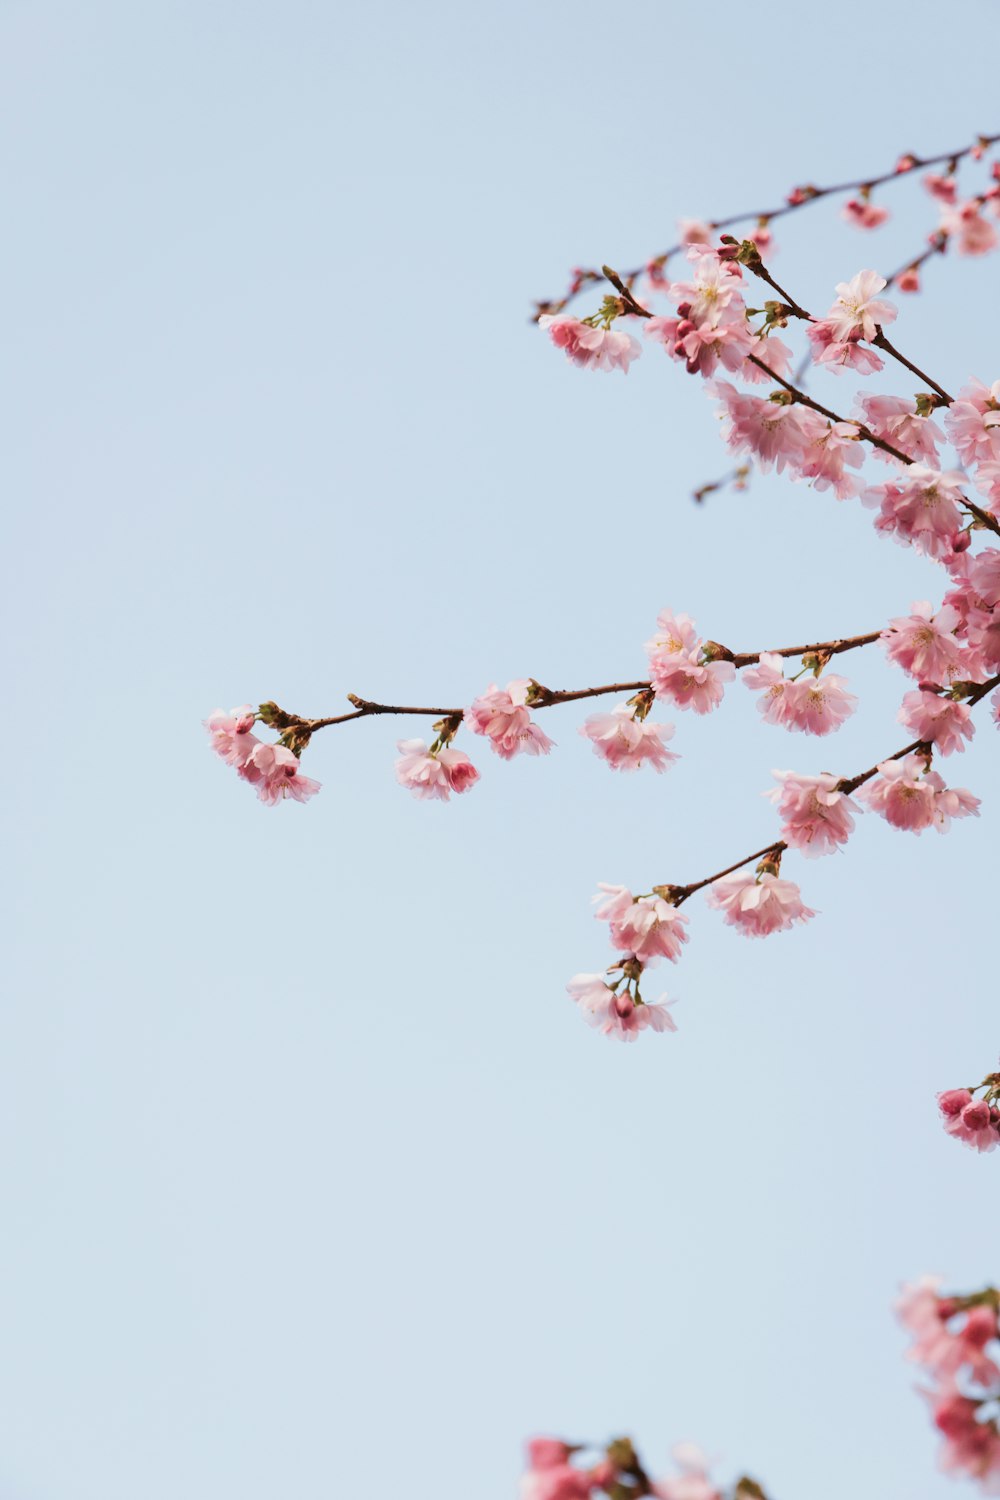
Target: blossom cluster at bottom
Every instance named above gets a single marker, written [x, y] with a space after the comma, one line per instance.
[956, 1344]
[974, 1122]
[569, 1471]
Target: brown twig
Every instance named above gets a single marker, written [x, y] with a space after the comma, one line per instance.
[543, 697]
[809, 194]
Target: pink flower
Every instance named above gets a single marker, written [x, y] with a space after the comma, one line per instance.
[814, 705]
[857, 314]
[591, 348]
[924, 643]
[940, 721]
[817, 815]
[230, 735]
[971, 1447]
[778, 691]
[679, 669]
[943, 188]
[711, 324]
[275, 773]
[434, 773]
[972, 422]
[647, 927]
[503, 717]
[920, 507]
[693, 1483]
[626, 742]
[862, 214]
[758, 904]
[547, 1453]
[841, 354]
[973, 1122]
[819, 705]
[976, 235]
[774, 353]
[829, 447]
[908, 280]
[561, 1483]
[910, 797]
[988, 484]
[895, 421]
[694, 231]
[617, 1015]
[919, 1306]
[857, 310]
[773, 431]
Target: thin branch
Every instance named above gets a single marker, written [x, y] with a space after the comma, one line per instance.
[543, 697]
[680, 893]
[881, 342]
[799, 199]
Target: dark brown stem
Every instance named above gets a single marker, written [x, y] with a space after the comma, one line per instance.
[881, 342]
[682, 892]
[543, 697]
[851, 783]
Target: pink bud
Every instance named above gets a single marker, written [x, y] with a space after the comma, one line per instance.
[624, 1005]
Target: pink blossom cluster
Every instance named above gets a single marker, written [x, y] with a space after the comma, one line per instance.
[590, 347]
[436, 772]
[551, 1473]
[782, 434]
[503, 717]
[815, 705]
[711, 326]
[680, 668]
[817, 817]
[559, 1471]
[910, 796]
[974, 1122]
[972, 423]
[272, 770]
[646, 929]
[625, 739]
[921, 508]
[956, 1345]
[841, 339]
[759, 904]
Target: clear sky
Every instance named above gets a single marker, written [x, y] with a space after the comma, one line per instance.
[311, 1181]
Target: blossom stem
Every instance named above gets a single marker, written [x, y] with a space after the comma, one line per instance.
[682, 892]
[544, 697]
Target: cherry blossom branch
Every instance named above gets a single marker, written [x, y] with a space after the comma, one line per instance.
[755, 264]
[800, 398]
[799, 198]
[543, 697]
[793, 309]
[678, 894]
[558, 1470]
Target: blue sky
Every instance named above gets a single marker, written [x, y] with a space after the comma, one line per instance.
[313, 1183]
